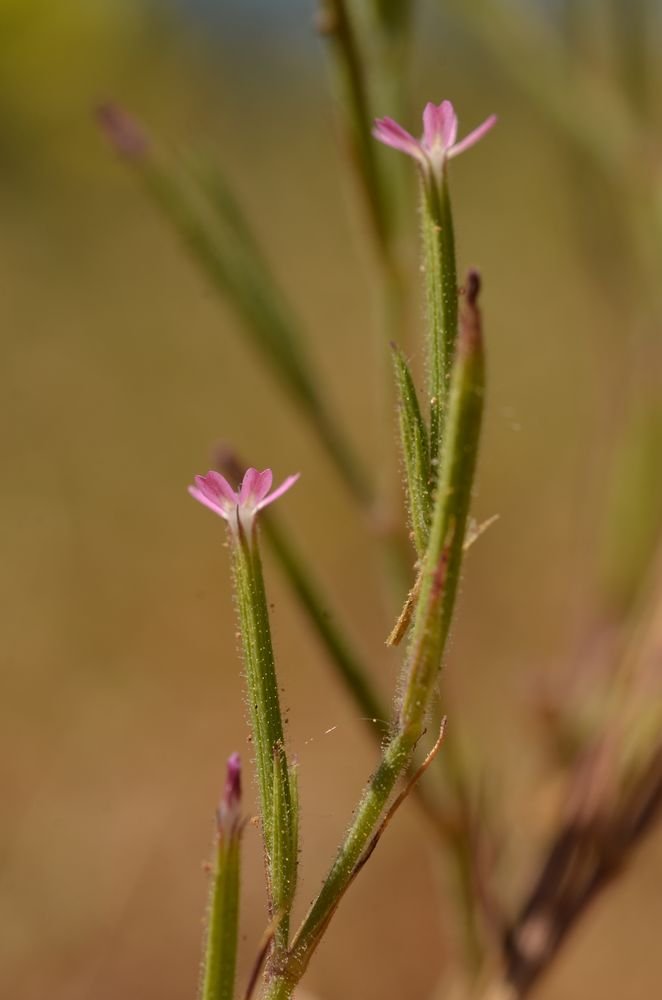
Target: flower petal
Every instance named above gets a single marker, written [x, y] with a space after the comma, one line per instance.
[217, 487]
[202, 498]
[391, 134]
[283, 488]
[473, 137]
[449, 123]
[255, 486]
[439, 125]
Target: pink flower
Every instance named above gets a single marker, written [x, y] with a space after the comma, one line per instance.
[438, 143]
[215, 492]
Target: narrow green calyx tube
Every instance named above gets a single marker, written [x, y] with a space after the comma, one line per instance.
[220, 957]
[240, 510]
[266, 725]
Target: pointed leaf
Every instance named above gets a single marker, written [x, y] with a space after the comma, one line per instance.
[415, 452]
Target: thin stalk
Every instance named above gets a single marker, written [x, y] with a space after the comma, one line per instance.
[220, 956]
[449, 518]
[395, 760]
[353, 673]
[630, 25]
[221, 952]
[382, 192]
[349, 64]
[441, 294]
[199, 206]
[594, 113]
[266, 723]
[438, 590]
[391, 22]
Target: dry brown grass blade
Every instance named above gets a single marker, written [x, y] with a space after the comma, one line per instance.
[400, 628]
[587, 854]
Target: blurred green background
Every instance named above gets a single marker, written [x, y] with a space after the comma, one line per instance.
[121, 694]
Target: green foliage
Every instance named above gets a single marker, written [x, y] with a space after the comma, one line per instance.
[441, 295]
[263, 700]
[219, 963]
[283, 861]
[443, 558]
[415, 452]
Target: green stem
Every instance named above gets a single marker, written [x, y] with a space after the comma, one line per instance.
[266, 721]
[352, 671]
[433, 613]
[222, 934]
[395, 759]
[349, 64]
[631, 23]
[441, 293]
[278, 989]
[443, 558]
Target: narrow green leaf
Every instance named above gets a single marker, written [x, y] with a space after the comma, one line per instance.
[415, 452]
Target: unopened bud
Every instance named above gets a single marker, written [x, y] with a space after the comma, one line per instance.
[228, 817]
[123, 132]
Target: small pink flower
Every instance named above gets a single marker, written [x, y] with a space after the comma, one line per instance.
[215, 492]
[228, 815]
[438, 143]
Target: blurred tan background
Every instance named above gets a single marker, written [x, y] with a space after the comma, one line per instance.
[121, 694]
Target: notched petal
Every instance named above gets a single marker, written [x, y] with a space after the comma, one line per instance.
[473, 137]
[278, 492]
[391, 134]
[207, 501]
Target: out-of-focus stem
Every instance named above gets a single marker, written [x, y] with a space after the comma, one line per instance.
[529, 52]
[391, 22]
[591, 111]
[338, 646]
[336, 25]
[630, 23]
[201, 209]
